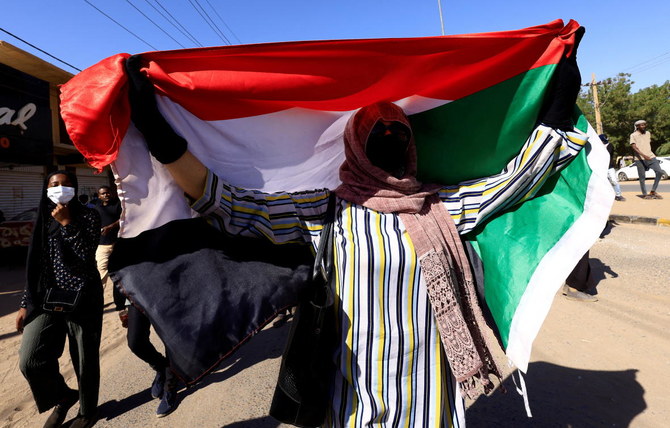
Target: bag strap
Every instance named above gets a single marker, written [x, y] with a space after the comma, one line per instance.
[323, 261]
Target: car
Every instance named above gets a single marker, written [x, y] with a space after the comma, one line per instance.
[16, 231]
[630, 172]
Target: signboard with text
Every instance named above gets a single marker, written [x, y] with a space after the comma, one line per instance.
[25, 118]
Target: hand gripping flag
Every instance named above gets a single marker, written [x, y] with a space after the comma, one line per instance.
[271, 117]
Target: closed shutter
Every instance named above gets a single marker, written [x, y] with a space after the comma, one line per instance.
[20, 189]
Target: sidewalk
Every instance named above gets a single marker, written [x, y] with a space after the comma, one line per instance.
[642, 211]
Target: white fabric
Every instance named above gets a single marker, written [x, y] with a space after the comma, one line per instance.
[291, 150]
[558, 262]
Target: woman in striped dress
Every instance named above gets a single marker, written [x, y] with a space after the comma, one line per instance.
[410, 344]
[399, 365]
[393, 370]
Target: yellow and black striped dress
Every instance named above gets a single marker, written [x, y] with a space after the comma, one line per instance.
[392, 370]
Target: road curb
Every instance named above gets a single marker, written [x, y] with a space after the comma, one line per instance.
[634, 219]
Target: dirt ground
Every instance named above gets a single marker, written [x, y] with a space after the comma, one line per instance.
[601, 364]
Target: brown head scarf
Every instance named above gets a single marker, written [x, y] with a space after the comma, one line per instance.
[444, 265]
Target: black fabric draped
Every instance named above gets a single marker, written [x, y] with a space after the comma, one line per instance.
[206, 292]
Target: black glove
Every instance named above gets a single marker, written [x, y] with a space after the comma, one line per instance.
[164, 144]
[562, 96]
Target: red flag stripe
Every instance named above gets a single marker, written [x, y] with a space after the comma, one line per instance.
[240, 81]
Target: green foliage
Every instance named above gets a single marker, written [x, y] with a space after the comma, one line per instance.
[619, 109]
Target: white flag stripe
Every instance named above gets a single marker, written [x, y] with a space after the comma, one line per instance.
[291, 150]
[556, 265]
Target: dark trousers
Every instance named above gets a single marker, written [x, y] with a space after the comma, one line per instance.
[642, 167]
[139, 331]
[581, 277]
[43, 343]
[119, 299]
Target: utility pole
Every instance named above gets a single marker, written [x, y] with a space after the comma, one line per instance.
[439, 8]
[596, 104]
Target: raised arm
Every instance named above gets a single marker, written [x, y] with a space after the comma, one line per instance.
[164, 144]
[545, 152]
[280, 217]
[549, 148]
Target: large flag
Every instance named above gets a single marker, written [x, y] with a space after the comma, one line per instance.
[271, 117]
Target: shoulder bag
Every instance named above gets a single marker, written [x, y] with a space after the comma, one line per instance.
[60, 300]
[302, 394]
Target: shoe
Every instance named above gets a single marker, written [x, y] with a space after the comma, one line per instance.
[620, 198]
[168, 403]
[572, 294]
[82, 421]
[647, 197]
[655, 195]
[57, 417]
[158, 384]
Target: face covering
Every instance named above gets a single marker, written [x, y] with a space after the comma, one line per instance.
[387, 150]
[60, 194]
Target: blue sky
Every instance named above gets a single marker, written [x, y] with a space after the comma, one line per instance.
[619, 38]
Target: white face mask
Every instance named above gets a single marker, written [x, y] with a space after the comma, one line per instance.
[60, 194]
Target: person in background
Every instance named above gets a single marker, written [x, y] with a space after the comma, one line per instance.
[620, 161]
[164, 385]
[640, 141]
[83, 199]
[611, 172]
[109, 209]
[581, 283]
[61, 260]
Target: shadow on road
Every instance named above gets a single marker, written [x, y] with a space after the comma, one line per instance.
[599, 269]
[265, 422]
[609, 226]
[111, 409]
[563, 397]
[268, 343]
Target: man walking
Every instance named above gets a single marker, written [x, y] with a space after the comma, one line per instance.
[110, 211]
[640, 141]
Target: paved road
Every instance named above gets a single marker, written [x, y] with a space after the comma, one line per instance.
[634, 186]
[594, 364]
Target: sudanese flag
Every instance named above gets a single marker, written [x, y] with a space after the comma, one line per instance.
[271, 117]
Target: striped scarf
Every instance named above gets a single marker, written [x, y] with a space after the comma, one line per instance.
[438, 246]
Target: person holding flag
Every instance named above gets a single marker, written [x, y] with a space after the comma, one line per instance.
[411, 340]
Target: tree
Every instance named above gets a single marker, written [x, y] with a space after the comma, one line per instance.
[615, 105]
[653, 105]
[619, 109]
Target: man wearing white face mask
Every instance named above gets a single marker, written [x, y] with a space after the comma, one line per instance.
[63, 298]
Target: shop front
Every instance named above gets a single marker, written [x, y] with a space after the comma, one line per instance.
[33, 141]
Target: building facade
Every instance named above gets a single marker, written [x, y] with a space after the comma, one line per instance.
[33, 139]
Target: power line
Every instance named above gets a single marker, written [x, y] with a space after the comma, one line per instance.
[210, 22]
[649, 60]
[654, 65]
[41, 50]
[153, 22]
[117, 23]
[195, 42]
[224, 22]
[178, 23]
[216, 30]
